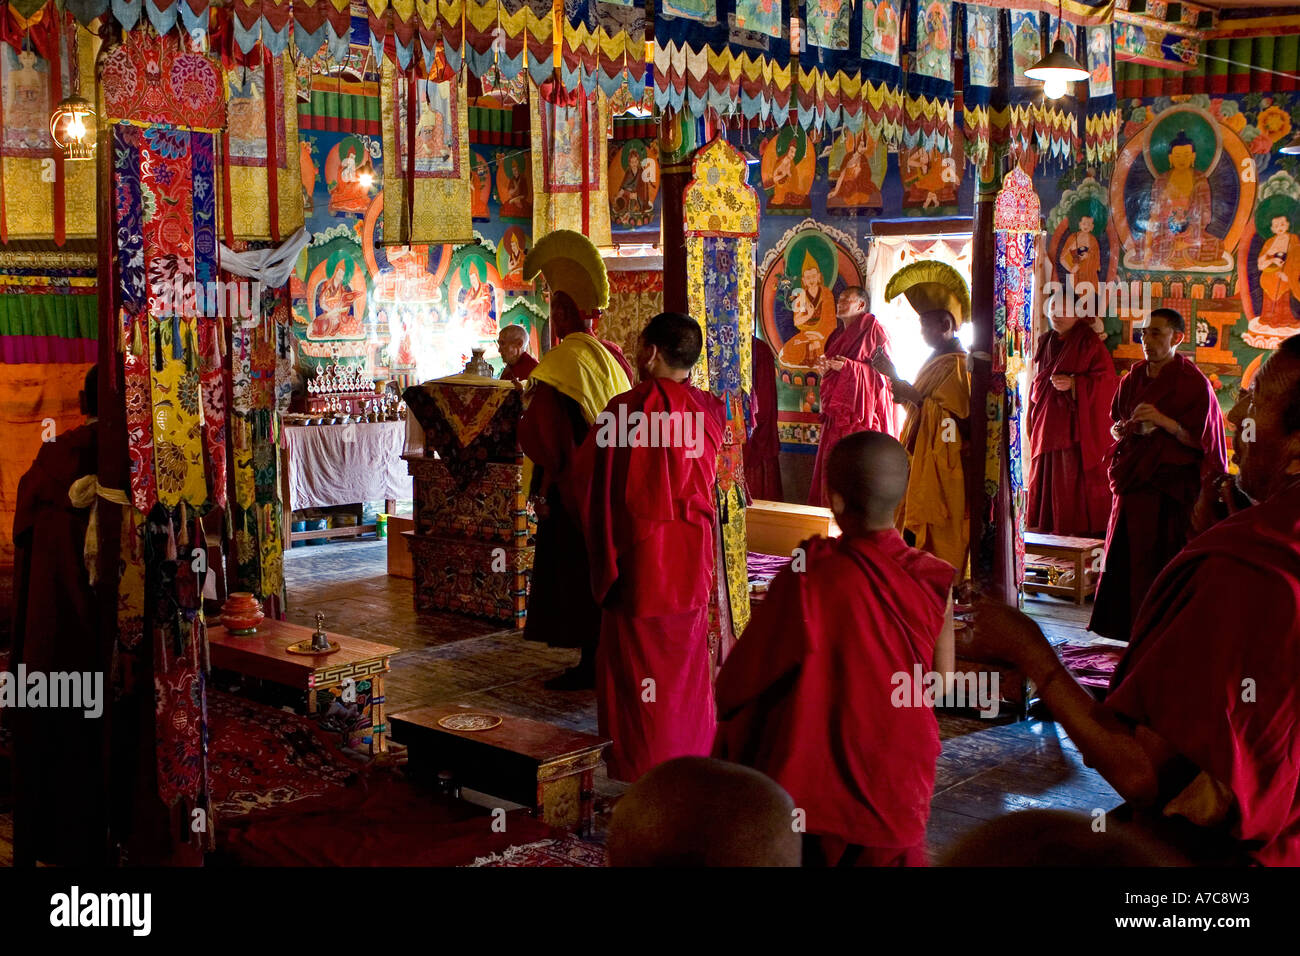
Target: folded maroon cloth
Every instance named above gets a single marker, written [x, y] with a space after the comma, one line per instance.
[1092, 665]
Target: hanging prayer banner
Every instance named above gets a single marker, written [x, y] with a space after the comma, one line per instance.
[41, 196]
[571, 169]
[759, 16]
[1100, 62]
[981, 47]
[828, 23]
[427, 192]
[265, 198]
[704, 11]
[880, 31]
[1026, 45]
[1101, 123]
[634, 183]
[788, 166]
[933, 54]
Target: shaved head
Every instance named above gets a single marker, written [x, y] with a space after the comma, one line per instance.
[866, 475]
[697, 811]
[514, 334]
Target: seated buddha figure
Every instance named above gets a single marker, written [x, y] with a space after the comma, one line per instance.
[1181, 211]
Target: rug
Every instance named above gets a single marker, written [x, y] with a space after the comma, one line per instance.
[558, 851]
[1092, 665]
[260, 757]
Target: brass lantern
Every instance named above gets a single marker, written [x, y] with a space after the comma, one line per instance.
[72, 127]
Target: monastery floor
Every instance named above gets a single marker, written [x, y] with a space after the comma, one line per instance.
[987, 768]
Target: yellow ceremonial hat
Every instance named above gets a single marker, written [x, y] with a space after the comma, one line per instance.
[931, 285]
[809, 263]
[571, 264]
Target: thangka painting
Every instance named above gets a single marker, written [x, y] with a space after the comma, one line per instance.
[565, 133]
[703, 10]
[1079, 247]
[801, 276]
[475, 291]
[1101, 81]
[1269, 260]
[856, 164]
[1067, 34]
[437, 131]
[633, 183]
[514, 185]
[25, 78]
[982, 45]
[759, 16]
[510, 259]
[934, 39]
[336, 294]
[880, 30]
[828, 23]
[930, 181]
[1179, 197]
[246, 114]
[480, 185]
[788, 166]
[1026, 45]
[349, 176]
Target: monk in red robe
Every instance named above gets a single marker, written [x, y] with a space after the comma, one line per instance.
[807, 700]
[1069, 429]
[854, 395]
[60, 754]
[1169, 434]
[1198, 732]
[763, 449]
[566, 391]
[647, 470]
[571, 316]
[512, 343]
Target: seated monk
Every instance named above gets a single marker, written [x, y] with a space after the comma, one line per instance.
[566, 390]
[806, 698]
[646, 476]
[695, 811]
[60, 811]
[512, 343]
[1169, 437]
[1198, 730]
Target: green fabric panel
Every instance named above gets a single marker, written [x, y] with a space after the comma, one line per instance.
[1287, 51]
[1221, 50]
[59, 315]
[1264, 55]
[1241, 53]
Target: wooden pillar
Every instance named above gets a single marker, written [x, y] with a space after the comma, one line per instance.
[676, 149]
[990, 531]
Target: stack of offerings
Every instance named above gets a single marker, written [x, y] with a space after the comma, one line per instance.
[472, 545]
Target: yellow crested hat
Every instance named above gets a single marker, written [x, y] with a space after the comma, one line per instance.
[931, 285]
[571, 264]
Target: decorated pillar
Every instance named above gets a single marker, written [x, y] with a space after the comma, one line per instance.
[678, 138]
[720, 228]
[1016, 227]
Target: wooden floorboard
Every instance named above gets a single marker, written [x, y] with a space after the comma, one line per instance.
[987, 767]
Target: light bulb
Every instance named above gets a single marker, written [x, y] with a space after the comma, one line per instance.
[1054, 88]
[76, 128]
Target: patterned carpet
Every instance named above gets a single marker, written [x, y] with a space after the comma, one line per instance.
[558, 851]
[261, 757]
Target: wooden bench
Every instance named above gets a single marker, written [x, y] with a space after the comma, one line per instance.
[1066, 557]
[546, 768]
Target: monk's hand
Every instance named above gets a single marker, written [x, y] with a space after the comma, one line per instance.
[1146, 412]
[836, 363]
[881, 363]
[1007, 634]
[1062, 383]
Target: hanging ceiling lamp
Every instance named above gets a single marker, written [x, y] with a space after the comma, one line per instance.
[72, 127]
[1058, 67]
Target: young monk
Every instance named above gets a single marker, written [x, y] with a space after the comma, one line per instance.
[694, 811]
[1069, 429]
[566, 390]
[647, 506]
[1169, 437]
[1198, 731]
[807, 696]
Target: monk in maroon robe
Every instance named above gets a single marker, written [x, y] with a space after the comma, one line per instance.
[1198, 732]
[647, 472]
[567, 389]
[1169, 434]
[1069, 430]
[512, 343]
[810, 694]
[763, 449]
[855, 397]
[60, 809]
[563, 306]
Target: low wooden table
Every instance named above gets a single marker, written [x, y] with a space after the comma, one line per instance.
[548, 769]
[264, 655]
[1078, 553]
